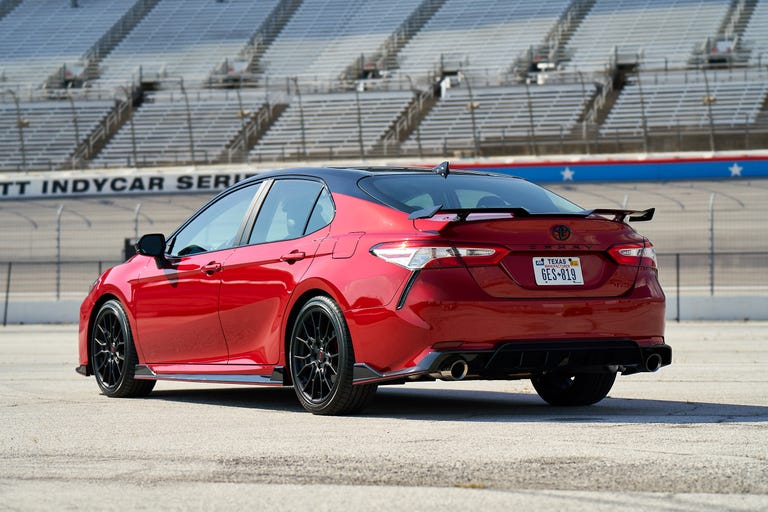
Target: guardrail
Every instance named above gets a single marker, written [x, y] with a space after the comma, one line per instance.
[722, 282]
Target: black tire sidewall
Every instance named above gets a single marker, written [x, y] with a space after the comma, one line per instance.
[115, 308]
[584, 389]
[346, 357]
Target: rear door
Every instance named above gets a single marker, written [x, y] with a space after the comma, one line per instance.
[259, 278]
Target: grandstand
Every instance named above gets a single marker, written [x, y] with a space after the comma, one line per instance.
[460, 35]
[39, 37]
[656, 34]
[325, 126]
[51, 129]
[756, 35]
[558, 76]
[673, 100]
[184, 40]
[324, 37]
[166, 135]
[499, 113]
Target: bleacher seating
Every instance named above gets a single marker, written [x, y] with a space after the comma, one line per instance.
[40, 36]
[184, 38]
[326, 36]
[756, 35]
[664, 33]
[487, 36]
[500, 113]
[49, 136]
[316, 41]
[162, 132]
[672, 100]
[331, 125]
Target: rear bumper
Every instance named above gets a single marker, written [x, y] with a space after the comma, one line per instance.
[447, 310]
[518, 360]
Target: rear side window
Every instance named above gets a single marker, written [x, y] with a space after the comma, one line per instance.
[292, 208]
[409, 193]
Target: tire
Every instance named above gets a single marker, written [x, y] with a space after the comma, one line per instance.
[574, 390]
[321, 360]
[113, 355]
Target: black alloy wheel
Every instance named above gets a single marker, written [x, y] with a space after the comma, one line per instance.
[574, 390]
[322, 361]
[113, 356]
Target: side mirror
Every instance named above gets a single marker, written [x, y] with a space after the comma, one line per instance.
[151, 245]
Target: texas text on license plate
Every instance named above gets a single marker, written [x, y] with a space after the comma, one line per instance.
[557, 271]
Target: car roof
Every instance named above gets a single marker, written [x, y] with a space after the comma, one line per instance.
[357, 172]
[345, 179]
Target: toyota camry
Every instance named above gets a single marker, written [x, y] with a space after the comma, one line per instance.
[337, 280]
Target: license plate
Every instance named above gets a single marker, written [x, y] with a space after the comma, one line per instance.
[557, 271]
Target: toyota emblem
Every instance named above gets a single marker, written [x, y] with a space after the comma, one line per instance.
[561, 232]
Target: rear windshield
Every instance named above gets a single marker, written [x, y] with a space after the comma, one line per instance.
[411, 192]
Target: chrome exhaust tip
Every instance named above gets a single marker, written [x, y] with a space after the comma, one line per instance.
[456, 370]
[653, 362]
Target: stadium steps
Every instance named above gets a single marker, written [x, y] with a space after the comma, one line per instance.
[257, 125]
[756, 35]
[386, 56]
[406, 124]
[268, 32]
[731, 30]
[762, 117]
[553, 49]
[105, 44]
[90, 147]
[598, 111]
[6, 6]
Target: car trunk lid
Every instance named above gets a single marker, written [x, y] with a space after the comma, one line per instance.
[549, 255]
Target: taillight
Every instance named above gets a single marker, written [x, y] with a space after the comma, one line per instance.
[415, 256]
[641, 255]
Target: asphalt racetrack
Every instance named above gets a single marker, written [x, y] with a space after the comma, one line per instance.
[693, 436]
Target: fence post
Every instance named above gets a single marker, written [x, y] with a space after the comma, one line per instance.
[7, 294]
[677, 286]
[712, 244]
[58, 251]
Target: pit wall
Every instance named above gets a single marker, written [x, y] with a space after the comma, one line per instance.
[691, 308]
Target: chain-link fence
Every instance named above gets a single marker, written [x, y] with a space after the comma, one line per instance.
[710, 236]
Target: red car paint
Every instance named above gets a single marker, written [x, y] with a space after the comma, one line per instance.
[229, 312]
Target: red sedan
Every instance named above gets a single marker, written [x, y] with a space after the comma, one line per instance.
[334, 281]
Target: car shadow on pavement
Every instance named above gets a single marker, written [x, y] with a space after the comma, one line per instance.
[483, 406]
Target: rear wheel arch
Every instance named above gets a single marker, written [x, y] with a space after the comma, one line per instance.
[296, 306]
[320, 360]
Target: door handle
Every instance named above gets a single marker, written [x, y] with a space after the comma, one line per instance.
[293, 256]
[211, 268]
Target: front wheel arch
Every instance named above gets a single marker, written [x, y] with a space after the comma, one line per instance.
[115, 375]
[91, 324]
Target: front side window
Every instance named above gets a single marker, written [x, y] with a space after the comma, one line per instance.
[292, 208]
[217, 227]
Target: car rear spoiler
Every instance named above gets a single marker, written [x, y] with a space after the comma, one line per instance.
[620, 215]
[462, 213]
